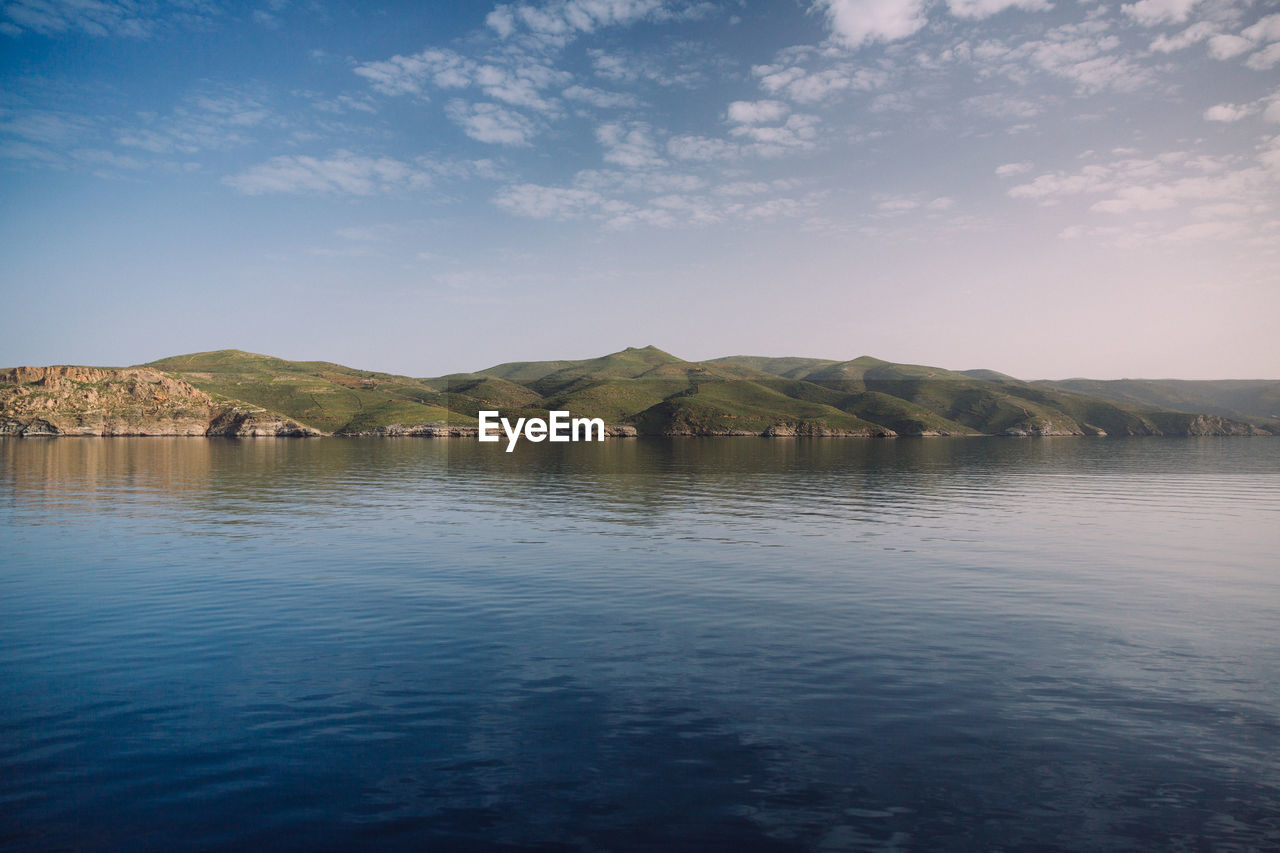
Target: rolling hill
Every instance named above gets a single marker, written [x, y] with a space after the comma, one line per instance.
[638, 390]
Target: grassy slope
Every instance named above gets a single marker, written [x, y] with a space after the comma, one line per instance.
[741, 406]
[327, 396]
[1234, 398]
[787, 367]
[659, 392]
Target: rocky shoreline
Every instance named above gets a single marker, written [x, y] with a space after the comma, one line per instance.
[141, 401]
[90, 401]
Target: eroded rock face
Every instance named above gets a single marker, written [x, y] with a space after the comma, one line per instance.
[419, 430]
[810, 429]
[66, 400]
[1218, 425]
[239, 422]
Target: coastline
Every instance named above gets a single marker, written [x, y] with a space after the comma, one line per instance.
[612, 433]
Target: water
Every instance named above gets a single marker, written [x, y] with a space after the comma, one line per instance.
[703, 644]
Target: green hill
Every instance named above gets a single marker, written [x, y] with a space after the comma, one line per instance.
[327, 396]
[658, 393]
[1244, 399]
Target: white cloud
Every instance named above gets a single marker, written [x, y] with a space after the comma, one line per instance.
[631, 146]
[600, 98]
[1084, 54]
[1000, 106]
[899, 205]
[1266, 58]
[558, 22]
[757, 112]
[106, 161]
[1228, 46]
[685, 65]
[44, 126]
[1089, 63]
[1271, 112]
[858, 22]
[30, 153]
[502, 21]
[1266, 29]
[201, 122]
[1193, 34]
[341, 172]
[1008, 170]
[515, 79]
[381, 233]
[1225, 210]
[799, 131]
[491, 123]
[614, 181]
[986, 8]
[1205, 231]
[1168, 190]
[540, 202]
[809, 87]
[657, 208]
[742, 188]
[1152, 12]
[95, 17]
[701, 148]
[1228, 112]
[1137, 198]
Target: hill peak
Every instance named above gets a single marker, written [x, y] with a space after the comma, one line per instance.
[649, 350]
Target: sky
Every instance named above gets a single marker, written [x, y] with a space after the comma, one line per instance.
[1049, 188]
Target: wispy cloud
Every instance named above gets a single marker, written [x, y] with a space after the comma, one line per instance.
[791, 79]
[757, 112]
[629, 145]
[95, 17]
[518, 80]
[1166, 189]
[132, 19]
[798, 132]
[491, 123]
[978, 9]
[658, 210]
[685, 65]
[701, 148]
[900, 205]
[1008, 170]
[558, 22]
[1193, 34]
[541, 202]
[1152, 12]
[1085, 54]
[202, 121]
[600, 98]
[342, 172]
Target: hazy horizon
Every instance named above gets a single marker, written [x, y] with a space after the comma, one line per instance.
[1046, 188]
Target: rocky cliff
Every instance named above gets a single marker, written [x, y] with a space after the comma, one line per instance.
[64, 400]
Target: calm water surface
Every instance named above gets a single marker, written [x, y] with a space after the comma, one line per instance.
[703, 644]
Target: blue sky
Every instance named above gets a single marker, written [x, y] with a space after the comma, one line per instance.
[1049, 188]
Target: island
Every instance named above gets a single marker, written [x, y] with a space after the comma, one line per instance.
[638, 391]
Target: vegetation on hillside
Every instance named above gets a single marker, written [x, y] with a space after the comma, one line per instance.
[659, 393]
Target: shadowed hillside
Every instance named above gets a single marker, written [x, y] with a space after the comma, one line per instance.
[1245, 399]
[638, 390]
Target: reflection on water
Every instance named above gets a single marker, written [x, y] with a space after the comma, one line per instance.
[641, 644]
